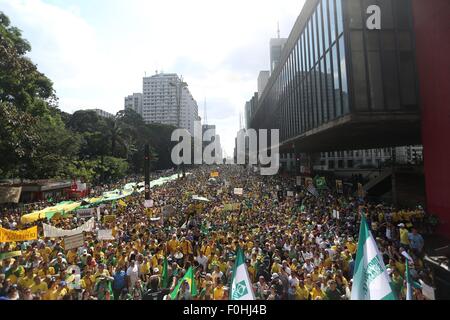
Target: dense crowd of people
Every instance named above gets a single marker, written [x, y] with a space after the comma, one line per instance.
[296, 245]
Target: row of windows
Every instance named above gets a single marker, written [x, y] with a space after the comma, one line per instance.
[312, 87]
[341, 164]
[358, 153]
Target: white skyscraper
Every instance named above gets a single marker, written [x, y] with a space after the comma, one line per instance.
[134, 102]
[159, 102]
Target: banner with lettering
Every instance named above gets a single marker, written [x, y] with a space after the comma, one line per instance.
[19, 235]
[53, 232]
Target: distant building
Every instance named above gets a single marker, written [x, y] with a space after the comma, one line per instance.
[134, 102]
[212, 127]
[263, 79]
[250, 108]
[160, 104]
[276, 49]
[102, 113]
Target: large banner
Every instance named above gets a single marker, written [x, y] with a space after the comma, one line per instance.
[10, 194]
[85, 213]
[9, 255]
[53, 232]
[214, 174]
[20, 235]
[106, 234]
[238, 191]
[73, 242]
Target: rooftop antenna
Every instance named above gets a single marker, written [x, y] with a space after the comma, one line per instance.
[278, 30]
[205, 113]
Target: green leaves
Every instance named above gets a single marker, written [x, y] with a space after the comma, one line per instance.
[38, 141]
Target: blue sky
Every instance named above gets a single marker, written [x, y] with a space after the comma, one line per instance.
[96, 51]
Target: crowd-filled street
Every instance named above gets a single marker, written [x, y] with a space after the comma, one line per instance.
[297, 245]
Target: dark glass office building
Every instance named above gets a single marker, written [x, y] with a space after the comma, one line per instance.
[341, 85]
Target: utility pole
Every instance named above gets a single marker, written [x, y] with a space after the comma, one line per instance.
[393, 177]
[147, 171]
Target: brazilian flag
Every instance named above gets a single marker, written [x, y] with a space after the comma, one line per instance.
[189, 277]
[165, 274]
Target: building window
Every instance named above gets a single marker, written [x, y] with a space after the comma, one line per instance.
[349, 163]
[330, 164]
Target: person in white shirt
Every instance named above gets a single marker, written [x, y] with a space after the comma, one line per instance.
[202, 260]
[308, 265]
[132, 275]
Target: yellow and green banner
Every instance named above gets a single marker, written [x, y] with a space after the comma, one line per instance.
[19, 235]
[8, 255]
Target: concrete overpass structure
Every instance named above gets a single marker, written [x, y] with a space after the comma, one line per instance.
[342, 86]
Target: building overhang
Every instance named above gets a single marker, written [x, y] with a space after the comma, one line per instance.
[359, 131]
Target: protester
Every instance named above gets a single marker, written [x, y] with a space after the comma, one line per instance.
[294, 246]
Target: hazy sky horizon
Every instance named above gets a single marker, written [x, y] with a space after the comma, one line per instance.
[96, 52]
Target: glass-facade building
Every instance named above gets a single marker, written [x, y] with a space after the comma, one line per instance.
[334, 66]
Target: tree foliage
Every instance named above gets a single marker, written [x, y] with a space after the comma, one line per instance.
[37, 140]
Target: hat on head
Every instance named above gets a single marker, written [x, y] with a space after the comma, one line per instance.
[275, 276]
[401, 225]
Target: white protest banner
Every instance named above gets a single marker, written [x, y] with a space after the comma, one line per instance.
[196, 197]
[85, 213]
[334, 214]
[337, 215]
[53, 232]
[239, 191]
[290, 193]
[105, 234]
[299, 181]
[148, 203]
[99, 216]
[73, 242]
[427, 291]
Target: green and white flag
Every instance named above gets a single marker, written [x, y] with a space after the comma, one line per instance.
[410, 283]
[241, 286]
[371, 280]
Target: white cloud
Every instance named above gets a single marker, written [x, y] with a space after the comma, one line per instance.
[218, 46]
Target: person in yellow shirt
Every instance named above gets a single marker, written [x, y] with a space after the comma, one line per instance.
[351, 245]
[27, 280]
[301, 292]
[38, 286]
[276, 266]
[404, 236]
[173, 244]
[316, 292]
[88, 281]
[186, 247]
[101, 272]
[218, 293]
[53, 292]
[71, 256]
[315, 274]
